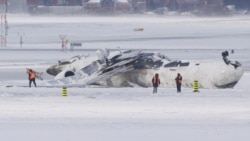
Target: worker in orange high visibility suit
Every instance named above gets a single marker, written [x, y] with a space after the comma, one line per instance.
[155, 82]
[32, 77]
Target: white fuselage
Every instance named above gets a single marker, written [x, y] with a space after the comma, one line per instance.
[208, 74]
[125, 68]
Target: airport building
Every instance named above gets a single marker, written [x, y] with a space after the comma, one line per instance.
[121, 6]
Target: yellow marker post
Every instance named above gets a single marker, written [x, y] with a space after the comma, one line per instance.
[196, 86]
[64, 91]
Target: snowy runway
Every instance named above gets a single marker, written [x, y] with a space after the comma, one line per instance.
[124, 114]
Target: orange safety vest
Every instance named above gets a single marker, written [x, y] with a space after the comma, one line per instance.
[156, 80]
[32, 75]
[179, 79]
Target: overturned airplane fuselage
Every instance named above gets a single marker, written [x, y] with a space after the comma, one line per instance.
[127, 68]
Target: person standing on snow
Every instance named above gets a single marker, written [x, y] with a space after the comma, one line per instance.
[32, 77]
[178, 81]
[155, 82]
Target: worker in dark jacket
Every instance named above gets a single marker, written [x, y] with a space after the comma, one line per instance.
[155, 82]
[178, 81]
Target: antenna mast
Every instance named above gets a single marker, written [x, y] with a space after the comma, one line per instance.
[4, 22]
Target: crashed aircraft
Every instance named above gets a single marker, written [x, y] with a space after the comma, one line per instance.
[136, 68]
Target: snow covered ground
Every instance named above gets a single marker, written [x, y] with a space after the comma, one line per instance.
[111, 114]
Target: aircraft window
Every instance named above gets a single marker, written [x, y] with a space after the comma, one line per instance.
[184, 64]
[90, 69]
[176, 63]
[127, 51]
[69, 73]
[64, 63]
[114, 59]
[172, 64]
[147, 64]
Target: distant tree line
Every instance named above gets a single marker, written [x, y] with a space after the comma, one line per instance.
[239, 4]
[150, 4]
